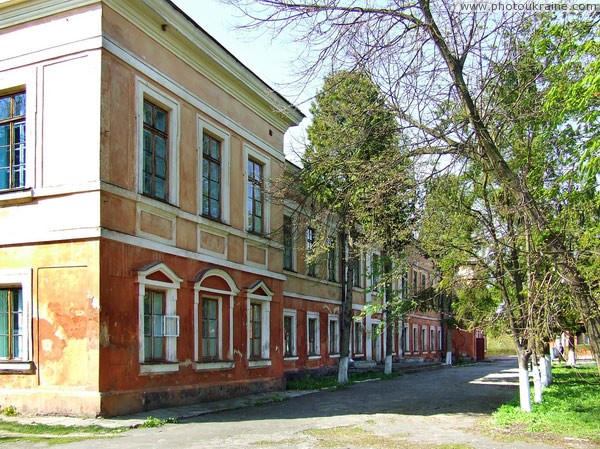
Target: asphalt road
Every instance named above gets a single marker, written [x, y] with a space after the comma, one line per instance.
[424, 410]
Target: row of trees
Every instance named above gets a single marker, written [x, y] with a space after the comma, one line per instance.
[476, 134]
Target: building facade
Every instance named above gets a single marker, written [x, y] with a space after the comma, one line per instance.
[140, 265]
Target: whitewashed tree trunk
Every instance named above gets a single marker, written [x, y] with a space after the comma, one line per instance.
[524, 388]
[449, 358]
[546, 370]
[571, 357]
[537, 384]
[388, 365]
[343, 370]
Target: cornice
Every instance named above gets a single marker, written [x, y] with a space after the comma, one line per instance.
[189, 42]
[16, 12]
[184, 38]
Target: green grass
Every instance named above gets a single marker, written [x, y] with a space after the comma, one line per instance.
[569, 409]
[320, 382]
[501, 345]
[41, 433]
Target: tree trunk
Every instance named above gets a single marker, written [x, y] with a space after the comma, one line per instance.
[347, 285]
[389, 328]
[571, 350]
[546, 370]
[489, 155]
[537, 380]
[524, 387]
[449, 343]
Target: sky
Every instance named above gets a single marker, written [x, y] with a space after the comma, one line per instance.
[271, 60]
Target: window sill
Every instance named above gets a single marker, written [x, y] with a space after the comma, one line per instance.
[258, 363]
[159, 368]
[334, 356]
[20, 196]
[206, 366]
[314, 357]
[292, 358]
[7, 367]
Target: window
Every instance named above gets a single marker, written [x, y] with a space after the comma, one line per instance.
[156, 151]
[15, 321]
[424, 338]
[288, 243]
[12, 141]
[255, 200]
[332, 261]
[333, 336]
[423, 281]
[211, 177]
[12, 344]
[213, 319]
[405, 339]
[415, 336]
[158, 141]
[358, 338]
[431, 339]
[440, 345]
[313, 334]
[375, 273]
[154, 313]
[159, 324]
[259, 297]
[375, 341]
[289, 333]
[210, 328]
[414, 279]
[255, 330]
[310, 243]
[404, 287]
[357, 274]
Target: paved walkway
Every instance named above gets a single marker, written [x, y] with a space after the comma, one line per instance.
[428, 410]
[195, 410]
[179, 413]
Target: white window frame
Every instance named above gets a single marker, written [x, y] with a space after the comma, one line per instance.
[293, 314]
[251, 153]
[24, 80]
[23, 279]
[313, 316]
[335, 338]
[146, 91]
[432, 339]
[406, 339]
[312, 267]
[415, 338]
[205, 127]
[361, 326]
[374, 338]
[265, 302]
[219, 299]
[440, 342]
[225, 358]
[170, 290]
[424, 338]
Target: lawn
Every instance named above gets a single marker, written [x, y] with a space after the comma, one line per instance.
[570, 408]
[11, 432]
[320, 382]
